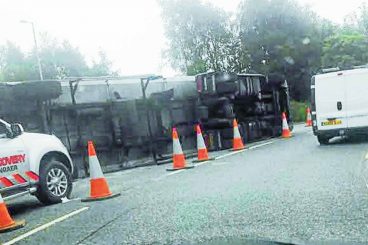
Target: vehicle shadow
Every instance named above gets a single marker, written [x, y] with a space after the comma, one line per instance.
[25, 206]
[349, 140]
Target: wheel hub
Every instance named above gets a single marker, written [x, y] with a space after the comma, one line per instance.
[57, 182]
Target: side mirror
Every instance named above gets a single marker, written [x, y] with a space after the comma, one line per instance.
[16, 129]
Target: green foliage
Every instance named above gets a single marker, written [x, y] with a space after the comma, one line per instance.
[283, 38]
[298, 111]
[200, 36]
[102, 67]
[345, 49]
[14, 65]
[267, 36]
[59, 60]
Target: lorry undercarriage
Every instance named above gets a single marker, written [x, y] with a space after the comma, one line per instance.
[130, 129]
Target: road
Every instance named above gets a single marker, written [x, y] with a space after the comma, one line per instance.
[287, 190]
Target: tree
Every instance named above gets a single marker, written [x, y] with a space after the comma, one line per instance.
[13, 64]
[102, 67]
[58, 59]
[199, 36]
[281, 37]
[345, 49]
[268, 36]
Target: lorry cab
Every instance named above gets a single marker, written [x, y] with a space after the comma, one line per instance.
[339, 103]
[33, 163]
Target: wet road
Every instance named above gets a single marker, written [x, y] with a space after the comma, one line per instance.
[291, 190]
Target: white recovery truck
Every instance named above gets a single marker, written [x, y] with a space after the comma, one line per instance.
[33, 163]
[340, 103]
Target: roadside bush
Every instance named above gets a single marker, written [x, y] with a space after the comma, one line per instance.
[298, 110]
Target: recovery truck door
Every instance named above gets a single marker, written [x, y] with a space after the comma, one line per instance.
[14, 163]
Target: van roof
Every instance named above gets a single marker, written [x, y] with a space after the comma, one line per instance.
[336, 69]
[357, 70]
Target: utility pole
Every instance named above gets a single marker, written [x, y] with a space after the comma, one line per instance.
[36, 47]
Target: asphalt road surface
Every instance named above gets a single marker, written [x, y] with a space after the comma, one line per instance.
[284, 190]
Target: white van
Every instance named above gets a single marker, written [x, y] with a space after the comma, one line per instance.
[340, 103]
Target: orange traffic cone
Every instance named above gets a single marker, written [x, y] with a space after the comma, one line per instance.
[308, 123]
[237, 141]
[98, 184]
[6, 222]
[178, 155]
[285, 127]
[201, 147]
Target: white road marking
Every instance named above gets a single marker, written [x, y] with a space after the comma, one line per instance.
[216, 158]
[260, 145]
[45, 226]
[229, 154]
[175, 172]
[199, 164]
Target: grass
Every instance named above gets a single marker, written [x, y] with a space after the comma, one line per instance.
[298, 110]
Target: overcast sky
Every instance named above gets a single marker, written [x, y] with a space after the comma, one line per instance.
[131, 32]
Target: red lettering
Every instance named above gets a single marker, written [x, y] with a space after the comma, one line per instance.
[15, 159]
[7, 160]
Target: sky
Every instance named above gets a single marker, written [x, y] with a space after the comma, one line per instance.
[130, 32]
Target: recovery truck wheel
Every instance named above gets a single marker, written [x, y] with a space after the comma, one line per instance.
[55, 182]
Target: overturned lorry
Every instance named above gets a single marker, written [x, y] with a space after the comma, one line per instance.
[130, 118]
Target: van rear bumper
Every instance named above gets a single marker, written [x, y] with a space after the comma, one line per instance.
[341, 132]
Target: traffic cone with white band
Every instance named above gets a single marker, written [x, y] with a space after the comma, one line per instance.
[99, 187]
[285, 127]
[237, 141]
[178, 155]
[308, 123]
[201, 147]
[6, 222]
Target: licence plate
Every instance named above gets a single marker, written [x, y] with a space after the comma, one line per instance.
[331, 122]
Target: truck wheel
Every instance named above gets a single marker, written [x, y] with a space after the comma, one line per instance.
[226, 88]
[323, 140]
[228, 111]
[55, 183]
[202, 112]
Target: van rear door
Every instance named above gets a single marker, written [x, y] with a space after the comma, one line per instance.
[357, 97]
[330, 101]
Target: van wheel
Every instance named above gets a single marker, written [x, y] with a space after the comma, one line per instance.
[323, 140]
[55, 183]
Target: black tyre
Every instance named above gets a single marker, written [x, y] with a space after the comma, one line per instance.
[218, 123]
[214, 101]
[228, 111]
[55, 182]
[202, 112]
[323, 140]
[227, 144]
[227, 133]
[226, 87]
[37, 90]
